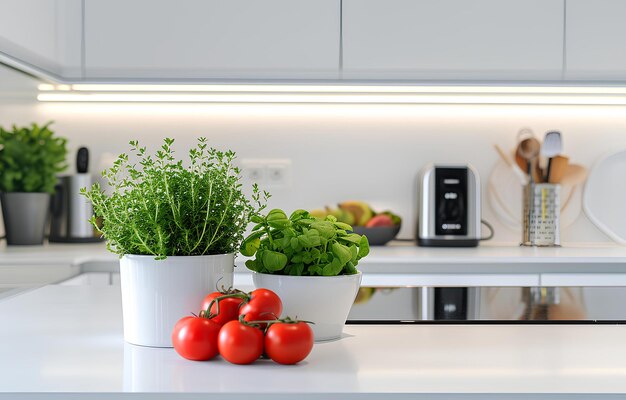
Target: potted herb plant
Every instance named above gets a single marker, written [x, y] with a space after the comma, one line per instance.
[310, 263]
[176, 229]
[30, 159]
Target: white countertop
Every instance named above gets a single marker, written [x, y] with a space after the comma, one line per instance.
[69, 339]
[55, 253]
[402, 263]
[404, 256]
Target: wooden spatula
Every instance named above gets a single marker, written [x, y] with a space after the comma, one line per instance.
[558, 167]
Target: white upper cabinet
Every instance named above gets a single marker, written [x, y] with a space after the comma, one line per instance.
[212, 39]
[266, 40]
[453, 39]
[43, 34]
[596, 40]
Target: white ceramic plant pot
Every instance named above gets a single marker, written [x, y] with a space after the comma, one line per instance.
[324, 300]
[156, 294]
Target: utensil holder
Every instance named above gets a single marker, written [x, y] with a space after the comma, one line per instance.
[541, 215]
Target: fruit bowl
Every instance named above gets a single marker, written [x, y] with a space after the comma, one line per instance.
[378, 235]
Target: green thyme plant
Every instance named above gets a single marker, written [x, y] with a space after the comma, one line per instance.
[30, 158]
[303, 245]
[160, 207]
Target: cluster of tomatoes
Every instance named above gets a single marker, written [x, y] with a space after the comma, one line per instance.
[241, 327]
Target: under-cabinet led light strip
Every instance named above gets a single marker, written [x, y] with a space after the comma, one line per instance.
[356, 94]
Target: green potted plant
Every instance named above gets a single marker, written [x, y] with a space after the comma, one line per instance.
[30, 159]
[176, 229]
[310, 263]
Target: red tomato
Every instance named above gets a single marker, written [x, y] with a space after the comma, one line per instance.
[195, 338]
[239, 343]
[288, 343]
[228, 307]
[264, 305]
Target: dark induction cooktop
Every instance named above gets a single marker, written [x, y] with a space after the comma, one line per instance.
[425, 305]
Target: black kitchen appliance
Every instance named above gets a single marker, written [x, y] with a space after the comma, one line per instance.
[449, 206]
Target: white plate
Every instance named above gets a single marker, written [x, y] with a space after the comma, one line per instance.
[605, 196]
[504, 192]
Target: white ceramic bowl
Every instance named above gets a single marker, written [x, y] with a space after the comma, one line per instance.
[324, 300]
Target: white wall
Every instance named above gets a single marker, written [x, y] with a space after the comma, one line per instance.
[338, 152]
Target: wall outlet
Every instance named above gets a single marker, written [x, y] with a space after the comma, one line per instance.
[253, 170]
[267, 172]
[278, 172]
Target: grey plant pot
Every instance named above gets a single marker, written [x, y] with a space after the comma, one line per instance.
[25, 216]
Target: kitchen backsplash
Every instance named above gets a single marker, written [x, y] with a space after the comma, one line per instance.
[333, 152]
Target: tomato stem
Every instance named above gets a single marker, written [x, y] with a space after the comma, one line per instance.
[236, 294]
[286, 320]
[254, 324]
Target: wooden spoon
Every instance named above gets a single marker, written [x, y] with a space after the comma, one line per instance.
[521, 163]
[536, 171]
[525, 133]
[528, 149]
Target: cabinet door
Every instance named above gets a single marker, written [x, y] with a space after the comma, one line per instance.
[596, 40]
[453, 39]
[42, 34]
[205, 39]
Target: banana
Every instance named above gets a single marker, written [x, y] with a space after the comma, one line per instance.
[319, 213]
[360, 210]
[341, 215]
